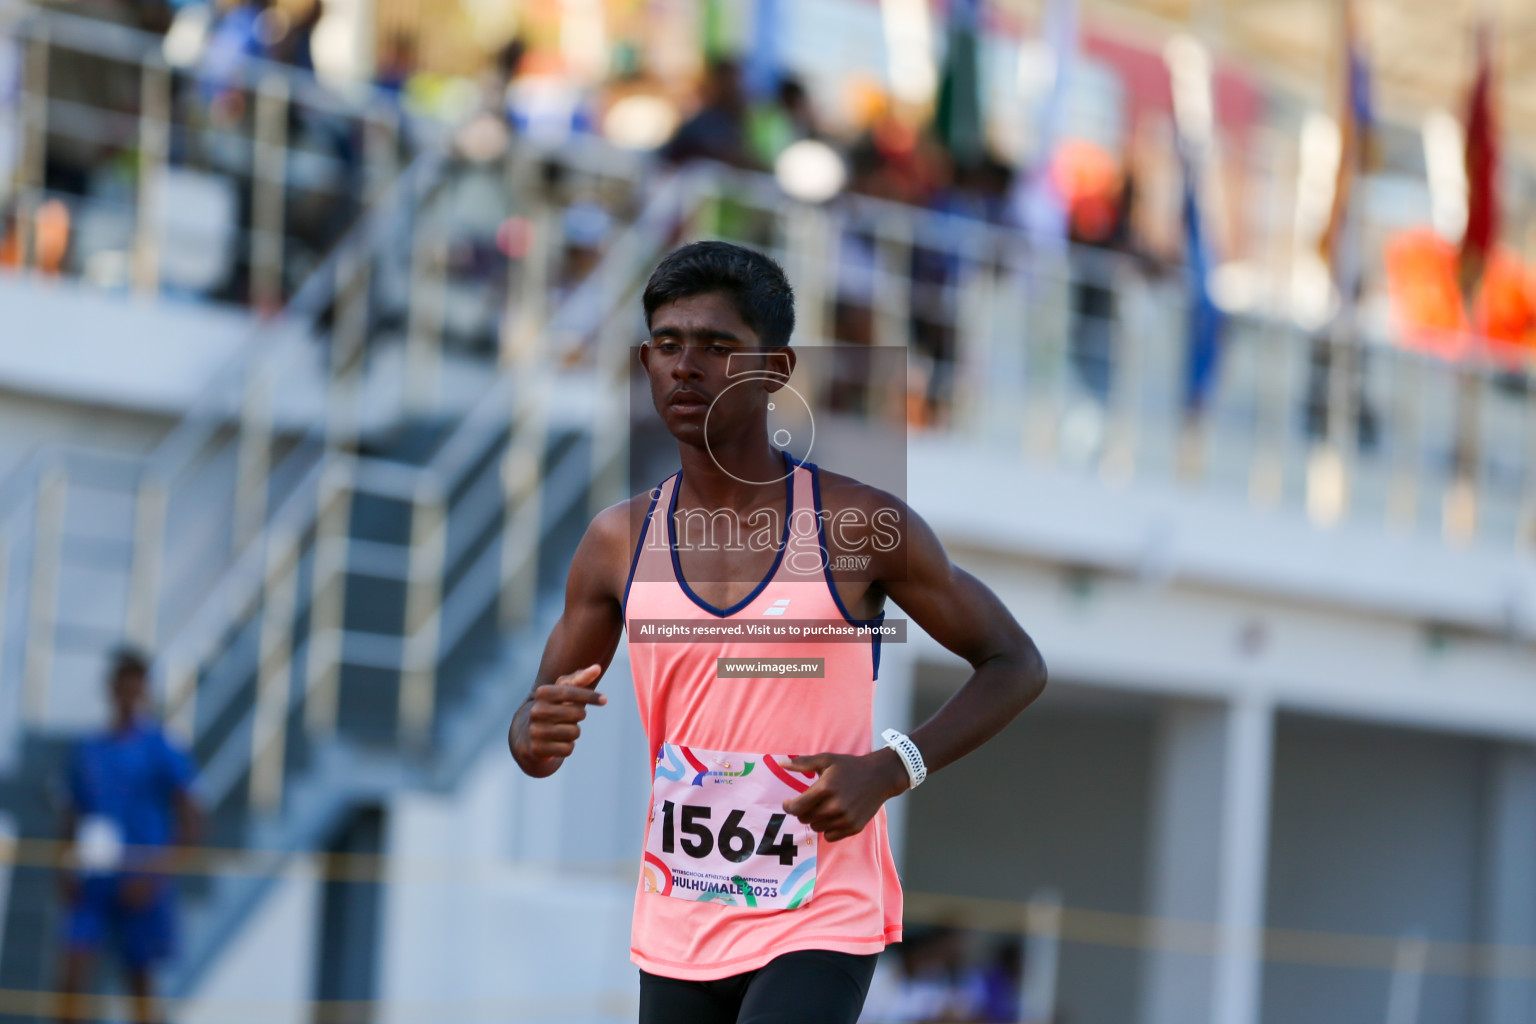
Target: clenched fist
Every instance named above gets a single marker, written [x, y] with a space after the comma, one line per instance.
[555, 716]
[848, 790]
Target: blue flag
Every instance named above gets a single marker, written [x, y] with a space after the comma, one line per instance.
[764, 66]
[1206, 319]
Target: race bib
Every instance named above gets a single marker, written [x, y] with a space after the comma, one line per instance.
[718, 831]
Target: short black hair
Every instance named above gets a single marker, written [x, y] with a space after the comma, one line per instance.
[128, 660]
[755, 284]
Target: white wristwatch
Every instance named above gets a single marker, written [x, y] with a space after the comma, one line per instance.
[910, 756]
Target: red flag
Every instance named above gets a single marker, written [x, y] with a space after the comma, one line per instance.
[1482, 169]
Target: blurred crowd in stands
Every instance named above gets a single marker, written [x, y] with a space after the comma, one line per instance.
[886, 151]
[1104, 213]
[78, 216]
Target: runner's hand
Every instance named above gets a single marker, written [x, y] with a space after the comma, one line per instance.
[554, 720]
[848, 790]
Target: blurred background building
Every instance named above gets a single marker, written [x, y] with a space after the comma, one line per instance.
[1219, 319]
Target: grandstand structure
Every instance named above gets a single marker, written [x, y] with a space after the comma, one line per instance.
[1286, 768]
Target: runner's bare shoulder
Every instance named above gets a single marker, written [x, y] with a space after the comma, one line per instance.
[611, 539]
[858, 517]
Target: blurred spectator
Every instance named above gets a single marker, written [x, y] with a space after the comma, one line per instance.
[505, 68]
[717, 130]
[923, 984]
[239, 36]
[397, 62]
[51, 235]
[1319, 395]
[545, 103]
[859, 256]
[991, 990]
[1099, 217]
[10, 237]
[296, 44]
[79, 79]
[131, 808]
[788, 118]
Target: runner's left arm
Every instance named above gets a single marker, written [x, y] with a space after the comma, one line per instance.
[1008, 673]
[968, 619]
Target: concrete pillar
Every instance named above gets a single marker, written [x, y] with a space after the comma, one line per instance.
[1248, 764]
[1184, 847]
[1209, 838]
[8, 838]
[1507, 995]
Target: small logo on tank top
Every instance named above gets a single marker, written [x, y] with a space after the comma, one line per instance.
[778, 607]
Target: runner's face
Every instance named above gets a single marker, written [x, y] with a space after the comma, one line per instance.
[689, 361]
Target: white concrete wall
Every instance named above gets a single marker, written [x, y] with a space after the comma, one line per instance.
[1199, 640]
[1508, 896]
[510, 900]
[266, 975]
[29, 420]
[1375, 832]
[69, 341]
[1058, 800]
[1167, 534]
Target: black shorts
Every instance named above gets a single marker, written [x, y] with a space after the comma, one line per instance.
[812, 986]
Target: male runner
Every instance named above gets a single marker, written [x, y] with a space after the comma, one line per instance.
[765, 896]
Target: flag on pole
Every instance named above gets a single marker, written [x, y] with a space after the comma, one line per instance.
[1190, 73]
[958, 119]
[1357, 143]
[1206, 319]
[764, 61]
[1482, 169]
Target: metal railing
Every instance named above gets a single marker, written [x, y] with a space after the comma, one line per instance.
[303, 598]
[233, 544]
[109, 131]
[1079, 357]
[159, 532]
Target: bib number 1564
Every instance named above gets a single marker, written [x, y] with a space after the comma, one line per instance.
[736, 842]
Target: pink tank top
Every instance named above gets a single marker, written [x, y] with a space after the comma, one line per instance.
[691, 716]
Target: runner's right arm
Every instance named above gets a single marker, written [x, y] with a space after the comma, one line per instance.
[545, 729]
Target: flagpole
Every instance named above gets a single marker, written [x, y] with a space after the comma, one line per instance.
[1459, 513]
[1330, 473]
[1192, 77]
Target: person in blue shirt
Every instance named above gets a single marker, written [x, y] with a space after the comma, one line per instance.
[131, 819]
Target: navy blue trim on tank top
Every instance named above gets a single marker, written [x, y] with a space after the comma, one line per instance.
[826, 567]
[634, 563]
[677, 565]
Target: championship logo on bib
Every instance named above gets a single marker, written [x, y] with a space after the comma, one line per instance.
[718, 831]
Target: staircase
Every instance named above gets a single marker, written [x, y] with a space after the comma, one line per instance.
[346, 557]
